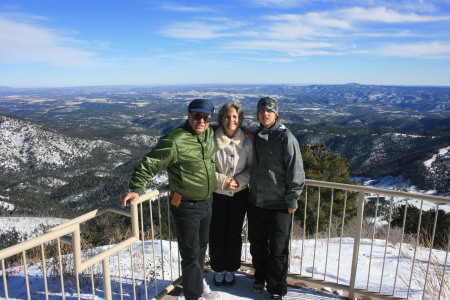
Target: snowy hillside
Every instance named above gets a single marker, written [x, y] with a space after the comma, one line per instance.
[442, 151]
[34, 146]
[31, 226]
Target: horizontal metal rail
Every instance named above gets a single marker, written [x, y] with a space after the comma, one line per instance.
[373, 190]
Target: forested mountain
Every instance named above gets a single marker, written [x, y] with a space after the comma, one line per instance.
[73, 149]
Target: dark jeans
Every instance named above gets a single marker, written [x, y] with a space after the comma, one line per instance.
[225, 233]
[192, 225]
[269, 234]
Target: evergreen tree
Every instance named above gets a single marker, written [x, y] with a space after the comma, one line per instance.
[371, 207]
[440, 172]
[320, 163]
[426, 224]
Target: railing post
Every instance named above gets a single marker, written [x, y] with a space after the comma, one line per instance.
[76, 246]
[356, 242]
[135, 220]
[106, 279]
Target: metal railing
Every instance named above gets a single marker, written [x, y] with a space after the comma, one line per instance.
[384, 260]
[334, 241]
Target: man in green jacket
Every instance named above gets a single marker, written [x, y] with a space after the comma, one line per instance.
[187, 152]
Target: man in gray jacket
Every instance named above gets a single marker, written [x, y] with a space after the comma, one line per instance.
[276, 182]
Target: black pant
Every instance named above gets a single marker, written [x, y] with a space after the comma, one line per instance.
[269, 234]
[225, 235]
[192, 225]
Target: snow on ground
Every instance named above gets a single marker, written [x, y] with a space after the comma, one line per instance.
[382, 276]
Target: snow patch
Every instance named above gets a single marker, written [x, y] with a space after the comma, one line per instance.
[442, 151]
[28, 225]
[5, 206]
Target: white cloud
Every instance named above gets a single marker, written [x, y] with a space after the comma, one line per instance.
[197, 30]
[385, 15]
[271, 60]
[326, 32]
[181, 8]
[340, 22]
[291, 26]
[422, 50]
[403, 5]
[23, 42]
[292, 48]
[277, 3]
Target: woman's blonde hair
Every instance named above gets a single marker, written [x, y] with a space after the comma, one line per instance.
[227, 107]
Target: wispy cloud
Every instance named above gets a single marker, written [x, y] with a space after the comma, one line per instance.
[278, 3]
[385, 15]
[165, 5]
[200, 29]
[294, 26]
[24, 42]
[404, 5]
[271, 59]
[341, 22]
[294, 49]
[422, 50]
[327, 32]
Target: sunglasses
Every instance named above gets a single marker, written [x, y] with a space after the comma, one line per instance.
[198, 117]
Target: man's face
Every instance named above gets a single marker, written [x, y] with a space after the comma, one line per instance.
[199, 122]
[267, 117]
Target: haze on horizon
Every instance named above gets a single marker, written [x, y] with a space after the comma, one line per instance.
[147, 42]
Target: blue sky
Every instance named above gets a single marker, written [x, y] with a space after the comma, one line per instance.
[53, 43]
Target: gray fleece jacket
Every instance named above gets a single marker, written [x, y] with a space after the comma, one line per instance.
[277, 177]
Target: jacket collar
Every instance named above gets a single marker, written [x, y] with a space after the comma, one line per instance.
[223, 141]
[265, 132]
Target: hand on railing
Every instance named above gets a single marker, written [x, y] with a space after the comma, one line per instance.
[130, 199]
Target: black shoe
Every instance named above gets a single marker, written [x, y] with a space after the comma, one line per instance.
[219, 278]
[276, 297]
[258, 286]
[230, 278]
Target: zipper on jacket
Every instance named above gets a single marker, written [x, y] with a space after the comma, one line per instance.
[204, 164]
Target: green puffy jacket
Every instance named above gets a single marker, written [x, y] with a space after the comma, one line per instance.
[189, 160]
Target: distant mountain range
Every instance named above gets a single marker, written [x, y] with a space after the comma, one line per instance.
[76, 147]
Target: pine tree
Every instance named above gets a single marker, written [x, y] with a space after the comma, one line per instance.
[440, 172]
[320, 163]
[426, 224]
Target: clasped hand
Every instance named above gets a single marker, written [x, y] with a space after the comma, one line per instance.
[230, 184]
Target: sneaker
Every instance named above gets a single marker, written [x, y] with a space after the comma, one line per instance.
[276, 297]
[219, 278]
[230, 278]
[208, 294]
[258, 286]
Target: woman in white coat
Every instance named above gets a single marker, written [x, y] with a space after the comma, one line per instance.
[234, 153]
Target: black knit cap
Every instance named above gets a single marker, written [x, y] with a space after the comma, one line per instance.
[268, 103]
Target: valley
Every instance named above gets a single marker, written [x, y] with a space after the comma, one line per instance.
[69, 150]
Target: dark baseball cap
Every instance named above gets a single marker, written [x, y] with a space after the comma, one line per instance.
[201, 105]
